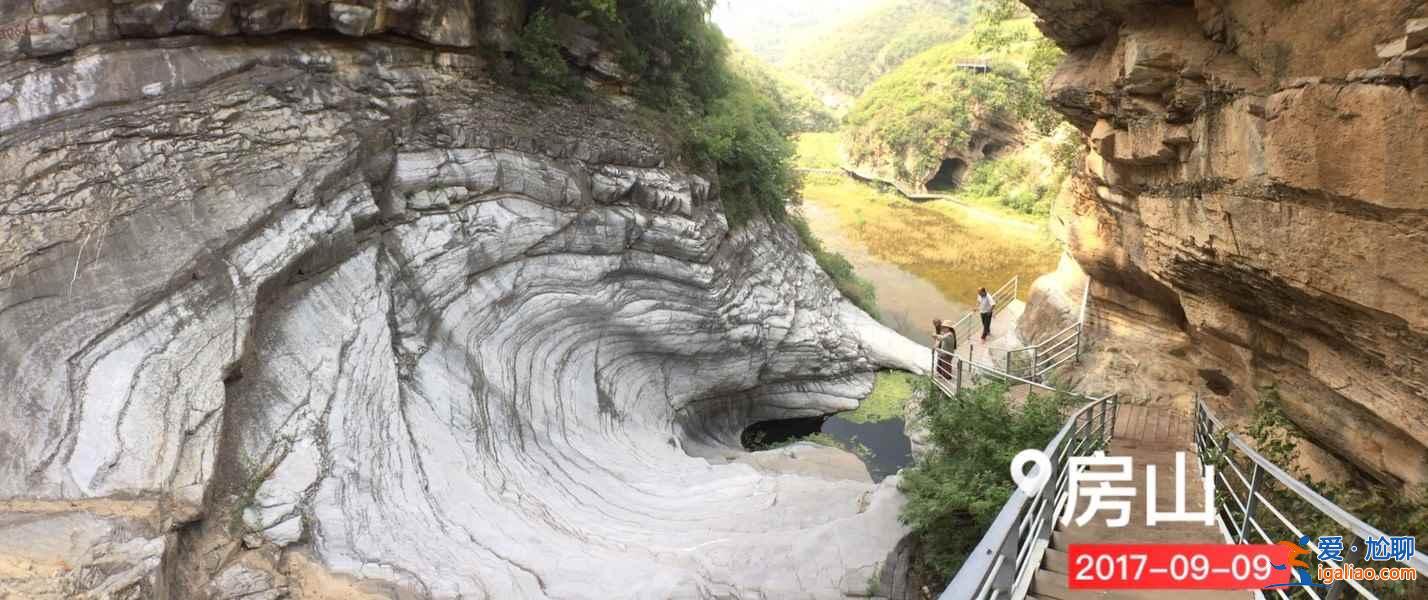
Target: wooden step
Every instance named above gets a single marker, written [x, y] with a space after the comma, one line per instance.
[1162, 533]
[1055, 561]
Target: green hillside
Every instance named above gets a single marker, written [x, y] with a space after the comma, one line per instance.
[800, 105]
[929, 104]
[847, 57]
[908, 120]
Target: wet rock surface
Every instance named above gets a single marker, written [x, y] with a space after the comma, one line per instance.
[358, 321]
[1254, 197]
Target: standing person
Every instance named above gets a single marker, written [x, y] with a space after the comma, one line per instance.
[986, 304]
[945, 339]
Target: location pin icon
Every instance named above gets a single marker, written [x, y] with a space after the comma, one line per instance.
[1030, 482]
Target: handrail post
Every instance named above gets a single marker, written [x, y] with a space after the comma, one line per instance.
[1101, 433]
[1004, 578]
[959, 375]
[1115, 412]
[1249, 504]
[1035, 365]
[1336, 591]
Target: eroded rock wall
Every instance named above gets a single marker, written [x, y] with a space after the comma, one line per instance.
[1256, 184]
[340, 318]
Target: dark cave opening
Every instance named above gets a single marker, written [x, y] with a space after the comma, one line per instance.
[882, 445]
[949, 175]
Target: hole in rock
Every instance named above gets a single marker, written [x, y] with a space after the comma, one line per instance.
[992, 150]
[882, 445]
[948, 176]
[1217, 382]
[233, 376]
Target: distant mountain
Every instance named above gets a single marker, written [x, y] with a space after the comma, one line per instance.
[770, 29]
[848, 55]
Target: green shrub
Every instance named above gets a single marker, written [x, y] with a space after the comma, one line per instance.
[744, 133]
[1011, 181]
[1006, 27]
[538, 51]
[956, 490]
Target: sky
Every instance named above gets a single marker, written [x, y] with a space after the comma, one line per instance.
[767, 26]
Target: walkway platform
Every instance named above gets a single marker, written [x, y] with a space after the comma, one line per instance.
[994, 351]
[1149, 436]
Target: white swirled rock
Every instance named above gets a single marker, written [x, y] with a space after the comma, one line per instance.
[284, 308]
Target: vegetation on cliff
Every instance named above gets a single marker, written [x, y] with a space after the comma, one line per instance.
[930, 105]
[930, 109]
[729, 113]
[957, 488]
[858, 290]
[1277, 438]
[798, 102]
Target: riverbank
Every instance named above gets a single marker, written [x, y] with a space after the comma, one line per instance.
[925, 259]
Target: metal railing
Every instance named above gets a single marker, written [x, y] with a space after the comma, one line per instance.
[951, 373]
[1256, 506]
[1004, 562]
[1037, 361]
[979, 65]
[1003, 296]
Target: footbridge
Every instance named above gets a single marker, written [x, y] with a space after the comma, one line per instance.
[1023, 553]
[1004, 357]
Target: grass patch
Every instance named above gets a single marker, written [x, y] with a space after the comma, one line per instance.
[891, 390]
[955, 248]
[818, 151]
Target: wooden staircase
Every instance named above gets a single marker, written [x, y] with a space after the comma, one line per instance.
[1149, 436]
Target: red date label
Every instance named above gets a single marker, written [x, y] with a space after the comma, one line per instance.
[1177, 566]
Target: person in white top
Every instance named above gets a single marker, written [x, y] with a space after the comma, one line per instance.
[986, 305]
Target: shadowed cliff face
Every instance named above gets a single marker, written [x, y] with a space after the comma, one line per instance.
[323, 317]
[1257, 178]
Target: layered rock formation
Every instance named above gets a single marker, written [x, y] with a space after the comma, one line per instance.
[306, 316]
[1256, 192]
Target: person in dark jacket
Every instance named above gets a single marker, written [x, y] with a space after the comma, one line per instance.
[944, 338]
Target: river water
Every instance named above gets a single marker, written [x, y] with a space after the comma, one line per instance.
[906, 303]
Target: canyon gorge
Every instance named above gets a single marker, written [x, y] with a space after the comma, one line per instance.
[310, 299]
